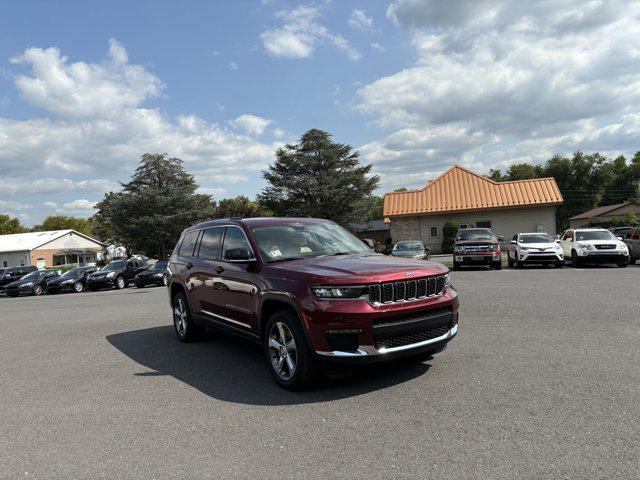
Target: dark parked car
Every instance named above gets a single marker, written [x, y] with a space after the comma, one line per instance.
[632, 240]
[411, 249]
[74, 280]
[34, 283]
[117, 274]
[11, 274]
[156, 275]
[620, 231]
[310, 292]
[476, 246]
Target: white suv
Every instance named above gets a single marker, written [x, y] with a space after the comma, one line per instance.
[534, 248]
[593, 245]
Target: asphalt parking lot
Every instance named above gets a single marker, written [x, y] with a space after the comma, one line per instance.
[543, 381]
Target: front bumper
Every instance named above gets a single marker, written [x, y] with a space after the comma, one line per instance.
[60, 287]
[21, 290]
[540, 257]
[101, 282]
[484, 258]
[615, 256]
[357, 331]
[147, 280]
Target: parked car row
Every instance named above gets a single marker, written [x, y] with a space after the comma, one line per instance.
[117, 274]
[480, 246]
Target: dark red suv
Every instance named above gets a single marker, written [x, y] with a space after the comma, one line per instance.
[310, 292]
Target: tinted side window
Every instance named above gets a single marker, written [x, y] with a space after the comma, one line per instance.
[234, 238]
[186, 248]
[210, 243]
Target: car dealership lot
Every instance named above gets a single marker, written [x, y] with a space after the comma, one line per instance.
[543, 381]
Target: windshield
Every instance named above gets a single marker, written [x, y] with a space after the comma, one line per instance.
[159, 265]
[117, 265]
[408, 246]
[286, 242]
[73, 273]
[474, 235]
[34, 275]
[535, 238]
[595, 235]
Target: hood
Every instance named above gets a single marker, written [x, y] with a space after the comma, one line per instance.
[358, 268]
[22, 281]
[616, 242]
[491, 241]
[538, 245]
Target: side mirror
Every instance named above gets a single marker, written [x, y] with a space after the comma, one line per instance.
[368, 242]
[239, 255]
[500, 238]
[619, 238]
[558, 237]
[513, 242]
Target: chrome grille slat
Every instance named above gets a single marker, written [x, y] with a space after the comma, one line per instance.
[406, 290]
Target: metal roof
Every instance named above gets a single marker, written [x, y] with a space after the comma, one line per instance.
[599, 211]
[459, 190]
[18, 242]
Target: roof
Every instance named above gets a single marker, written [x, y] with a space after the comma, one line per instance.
[18, 242]
[255, 222]
[596, 212]
[459, 190]
[370, 226]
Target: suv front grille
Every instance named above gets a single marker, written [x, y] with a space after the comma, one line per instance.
[406, 290]
[408, 339]
[605, 247]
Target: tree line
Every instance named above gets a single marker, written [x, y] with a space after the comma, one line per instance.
[315, 177]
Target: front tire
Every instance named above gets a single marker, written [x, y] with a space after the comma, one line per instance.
[120, 283]
[575, 260]
[165, 280]
[186, 330]
[509, 261]
[288, 355]
[497, 265]
[37, 290]
[78, 287]
[456, 266]
[559, 264]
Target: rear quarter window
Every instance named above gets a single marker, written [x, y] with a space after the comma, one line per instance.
[188, 244]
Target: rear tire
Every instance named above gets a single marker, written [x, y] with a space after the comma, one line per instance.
[623, 264]
[94, 288]
[139, 285]
[289, 357]
[186, 330]
[509, 261]
[456, 265]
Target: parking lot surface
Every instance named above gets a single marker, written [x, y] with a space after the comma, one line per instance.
[543, 381]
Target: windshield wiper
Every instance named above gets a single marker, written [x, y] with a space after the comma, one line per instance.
[284, 259]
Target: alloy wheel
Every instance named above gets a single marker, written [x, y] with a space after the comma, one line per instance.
[37, 290]
[77, 287]
[120, 282]
[165, 281]
[180, 317]
[282, 351]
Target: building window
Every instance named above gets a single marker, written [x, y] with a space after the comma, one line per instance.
[22, 262]
[484, 224]
[539, 227]
[433, 231]
[5, 264]
[465, 225]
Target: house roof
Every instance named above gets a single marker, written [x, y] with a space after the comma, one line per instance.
[18, 242]
[596, 212]
[459, 189]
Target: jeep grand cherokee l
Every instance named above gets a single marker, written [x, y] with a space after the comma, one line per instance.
[310, 292]
[476, 246]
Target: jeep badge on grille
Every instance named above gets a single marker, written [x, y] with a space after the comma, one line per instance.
[409, 274]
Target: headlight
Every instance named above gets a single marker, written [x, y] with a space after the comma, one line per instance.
[526, 249]
[447, 279]
[159, 274]
[586, 246]
[460, 249]
[339, 292]
[557, 247]
[71, 280]
[111, 274]
[419, 256]
[28, 284]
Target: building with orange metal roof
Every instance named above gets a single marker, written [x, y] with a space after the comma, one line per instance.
[473, 200]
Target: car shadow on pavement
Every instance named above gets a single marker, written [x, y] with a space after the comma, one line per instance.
[232, 369]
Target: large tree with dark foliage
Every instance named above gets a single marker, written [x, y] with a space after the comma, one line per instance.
[585, 181]
[152, 209]
[239, 206]
[10, 225]
[320, 178]
[62, 222]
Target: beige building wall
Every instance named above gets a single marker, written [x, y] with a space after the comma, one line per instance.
[504, 222]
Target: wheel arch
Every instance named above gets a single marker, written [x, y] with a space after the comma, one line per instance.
[273, 302]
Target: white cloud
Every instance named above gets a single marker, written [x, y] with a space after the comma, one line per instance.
[233, 66]
[214, 192]
[360, 21]
[84, 90]
[377, 46]
[11, 206]
[301, 33]
[278, 132]
[50, 205]
[79, 204]
[527, 79]
[250, 124]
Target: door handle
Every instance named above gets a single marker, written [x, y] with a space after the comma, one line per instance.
[219, 269]
[189, 265]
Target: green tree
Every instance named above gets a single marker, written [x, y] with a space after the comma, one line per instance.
[151, 211]
[317, 177]
[371, 208]
[10, 225]
[449, 231]
[239, 206]
[62, 222]
[401, 189]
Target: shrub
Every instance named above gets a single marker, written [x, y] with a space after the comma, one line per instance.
[449, 231]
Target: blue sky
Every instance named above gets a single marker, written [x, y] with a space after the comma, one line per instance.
[415, 85]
